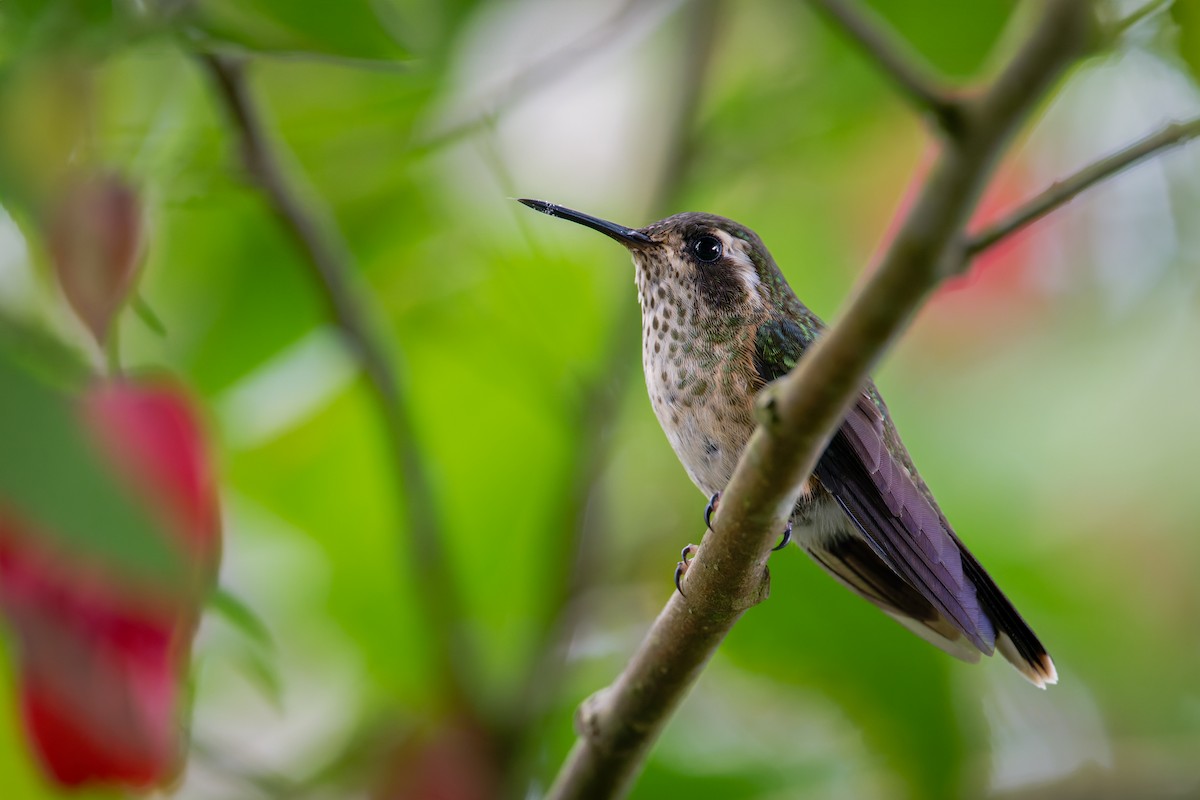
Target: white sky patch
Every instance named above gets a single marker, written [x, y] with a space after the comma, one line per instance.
[1123, 232]
[17, 286]
[285, 391]
[572, 117]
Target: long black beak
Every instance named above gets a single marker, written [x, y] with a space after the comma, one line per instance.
[630, 237]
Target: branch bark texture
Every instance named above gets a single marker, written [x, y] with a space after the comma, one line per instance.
[798, 414]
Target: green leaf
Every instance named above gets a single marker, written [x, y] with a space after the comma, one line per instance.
[36, 350]
[51, 476]
[285, 27]
[955, 38]
[145, 312]
[1186, 14]
[244, 619]
[261, 670]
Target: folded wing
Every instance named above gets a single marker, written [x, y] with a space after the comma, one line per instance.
[898, 550]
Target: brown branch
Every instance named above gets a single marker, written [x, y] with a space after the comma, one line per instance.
[332, 266]
[798, 414]
[895, 59]
[1063, 191]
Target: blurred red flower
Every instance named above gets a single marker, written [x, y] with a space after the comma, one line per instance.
[102, 659]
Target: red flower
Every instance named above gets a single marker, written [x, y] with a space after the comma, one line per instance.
[102, 659]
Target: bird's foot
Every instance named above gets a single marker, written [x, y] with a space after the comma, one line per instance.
[681, 568]
[787, 537]
[711, 509]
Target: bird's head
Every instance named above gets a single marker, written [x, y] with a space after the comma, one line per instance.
[723, 266]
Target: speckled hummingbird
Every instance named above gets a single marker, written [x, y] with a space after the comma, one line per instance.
[719, 322]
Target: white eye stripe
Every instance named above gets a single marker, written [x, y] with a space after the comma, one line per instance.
[743, 267]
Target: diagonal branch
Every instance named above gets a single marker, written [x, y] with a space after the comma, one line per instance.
[1120, 26]
[895, 59]
[798, 415]
[1063, 191]
[331, 263]
[550, 68]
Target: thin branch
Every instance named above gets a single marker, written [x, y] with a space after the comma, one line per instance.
[231, 51]
[895, 59]
[550, 68]
[331, 263]
[1122, 25]
[1063, 191]
[797, 416]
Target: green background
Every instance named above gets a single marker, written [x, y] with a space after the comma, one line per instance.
[1048, 397]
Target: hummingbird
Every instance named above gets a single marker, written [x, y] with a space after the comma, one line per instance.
[720, 322]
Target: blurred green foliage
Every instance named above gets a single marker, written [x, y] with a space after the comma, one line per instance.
[1054, 423]
[47, 448]
[1186, 15]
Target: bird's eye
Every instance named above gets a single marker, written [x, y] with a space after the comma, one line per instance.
[707, 248]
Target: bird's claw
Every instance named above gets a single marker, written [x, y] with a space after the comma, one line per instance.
[787, 537]
[686, 555]
[681, 568]
[711, 509]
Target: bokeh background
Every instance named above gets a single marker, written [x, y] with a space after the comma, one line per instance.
[1049, 397]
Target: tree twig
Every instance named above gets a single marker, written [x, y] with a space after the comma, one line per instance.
[331, 263]
[1148, 9]
[797, 416]
[232, 51]
[1065, 190]
[552, 67]
[895, 59]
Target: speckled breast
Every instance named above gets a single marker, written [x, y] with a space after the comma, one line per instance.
[701, 390]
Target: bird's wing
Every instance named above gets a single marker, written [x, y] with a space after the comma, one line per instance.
[887, 507]
[913, 565]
